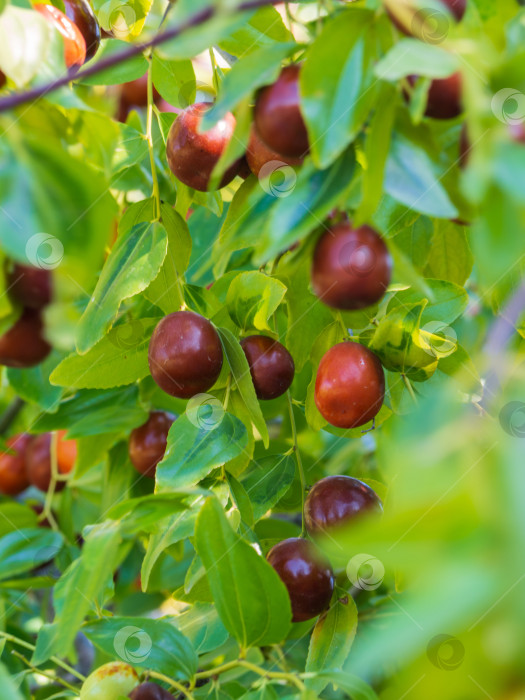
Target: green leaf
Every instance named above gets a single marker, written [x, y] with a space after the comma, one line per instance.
[241, 499]
[352, 685]
[242, 381]
[23, 27]
[166, 289]
[415, 57]
[251, 599]
[331, 641]
[263, 28]
[133, 263]
[9, 686]
[175, 80]
[122, 72]
[255, 70]
[124, 20]
[450, 257]
[76, 590]
[337, 84]
[268, 481]
[253, 298]
[154, 644]
[412, 178]
[203, 627]
[33, 384]
[197, 446]
[448, 301]
[25, 549]
[16, 516]
[120, 358]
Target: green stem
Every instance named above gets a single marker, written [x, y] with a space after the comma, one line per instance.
[227, 394]
[149, 138]
[408, 385]
[26, 645]
[52, 677]
[174, 684]
[277, 675]
[46, 512]
[297, 457]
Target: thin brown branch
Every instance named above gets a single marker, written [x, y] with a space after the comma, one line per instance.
[12, 101]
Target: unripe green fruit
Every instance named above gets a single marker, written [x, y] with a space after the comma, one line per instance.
[109, 682]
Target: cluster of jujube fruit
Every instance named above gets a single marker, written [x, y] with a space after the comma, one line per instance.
[28, 462]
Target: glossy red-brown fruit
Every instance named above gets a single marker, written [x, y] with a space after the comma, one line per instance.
[350, 385]
[150, 691]
[427, 17]
[30, 286]
[278, 118]
[81, 14]
[38, 460]
[24, 345]
[185, 354]
[244, 169]
[444, 97]
[306, 574]
[135, 92]
[192, 155]
[351, 267]
[337, 500]
[147, 443]
[74, 42]
[258, 154]
[13, 476]
[271, 365]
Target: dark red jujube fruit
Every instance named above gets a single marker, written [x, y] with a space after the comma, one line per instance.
[191, 155]
[24, 345]
[350, 385]
[185, 354]
[444, 97]
[278, 118]
[271, 365]
[147, 443]
[258, 155]
[81, 14]
[306, 574]
[74, 42]
[13, 476]
[351, 267]
[337, 500]
[30, 286]
[38, 460]
[150, 691]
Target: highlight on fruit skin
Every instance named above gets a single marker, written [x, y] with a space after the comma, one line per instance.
[193, 155]
[350, 385]
[81, 14]
[74, 42]
[351, 267]
[307, 575]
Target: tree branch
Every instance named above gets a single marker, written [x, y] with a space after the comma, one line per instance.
[197, 19]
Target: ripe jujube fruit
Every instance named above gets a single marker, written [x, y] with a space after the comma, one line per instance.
[150, 691]
[351, 267]
[147, 443]
[13, 476]
[337, 500]
[258, 154]
[24, 345]
[81, 14]
[350, 385]
[38, 460]
[444, 97]
[74, 42]
[306, 574]
[191, 155]
[278, 118]
[30, 286]
[109, 682]
[271, 365]
[185, 354]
